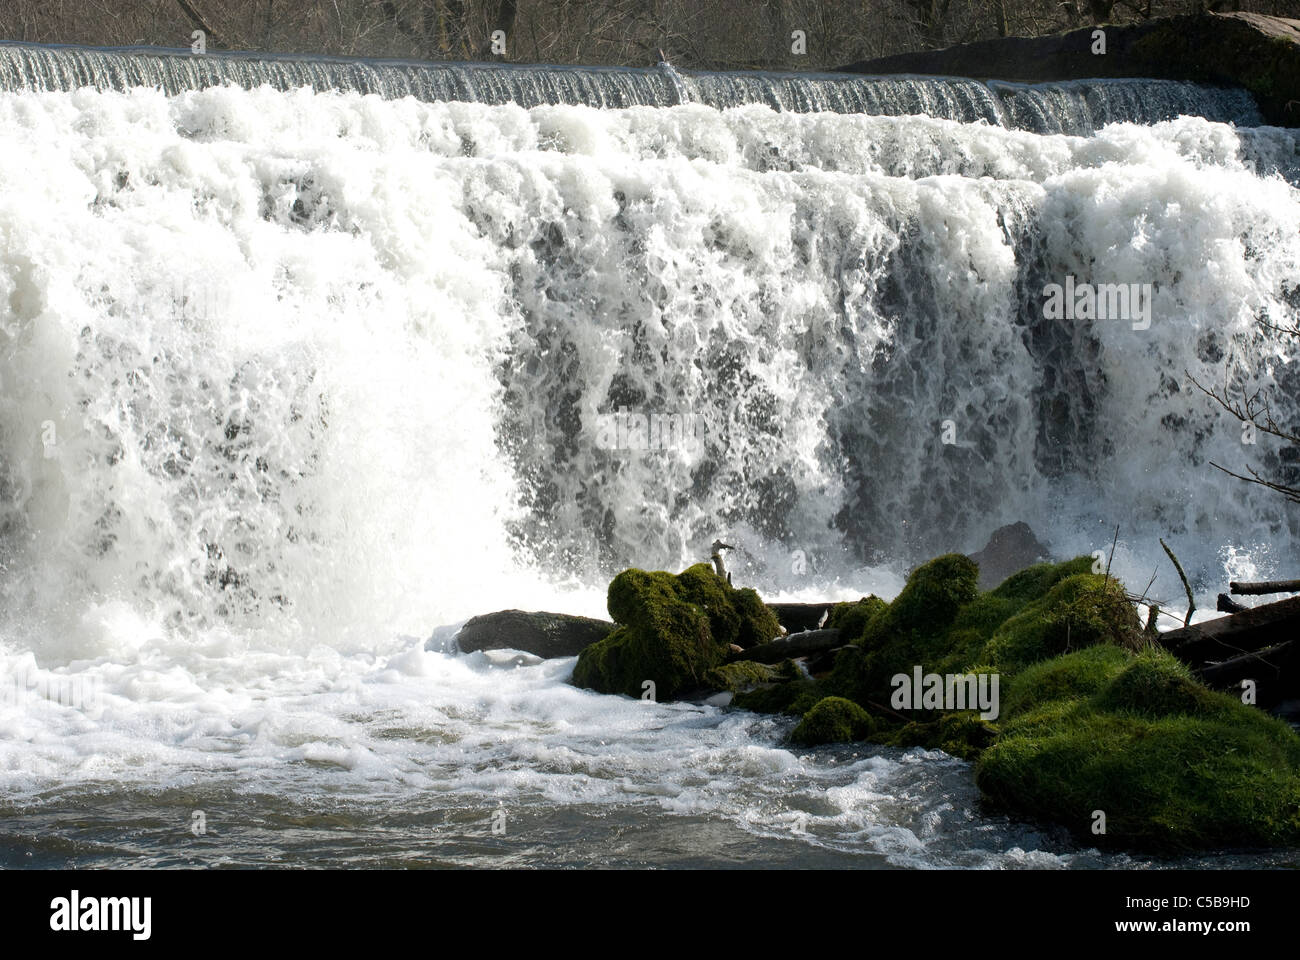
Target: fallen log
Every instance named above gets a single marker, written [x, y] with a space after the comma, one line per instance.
[1264, 586]
[1226, 604]
[794, 645]
[1225, 637]
[800, 616]
[823, 661]
[1275, 671]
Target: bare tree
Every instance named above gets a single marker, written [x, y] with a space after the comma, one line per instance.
[1255, 412]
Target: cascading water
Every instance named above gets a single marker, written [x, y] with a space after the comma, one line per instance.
[291, 377]
[1074, 107]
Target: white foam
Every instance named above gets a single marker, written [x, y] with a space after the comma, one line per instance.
[265, 491]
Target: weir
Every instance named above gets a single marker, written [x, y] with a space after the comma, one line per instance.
[1075, 107]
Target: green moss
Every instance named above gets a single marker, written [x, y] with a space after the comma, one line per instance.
[832, 720]
[742, 675]
[672, 631]
[1170, 784]
[795, 698]
[758, 624]
[1155, 684]
[1033, 583]
[735, 616]
[962, 734]
[1070, 677]
[985, 614]
[1036, 614]
[933, 595]
[1092, 717]
[851, 619]
[1079, 611]
[914, 629]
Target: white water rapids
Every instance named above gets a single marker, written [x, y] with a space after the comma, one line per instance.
[290, 379]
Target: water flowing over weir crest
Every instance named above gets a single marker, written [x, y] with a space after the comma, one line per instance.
[1076, 107]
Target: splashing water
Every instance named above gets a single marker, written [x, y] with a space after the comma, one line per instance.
[289, 379]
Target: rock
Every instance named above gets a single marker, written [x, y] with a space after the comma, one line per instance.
[545, 635]
[794, 697]
[672, 631]
[962, 735]
[833, 720]
[1250, 50]
[1012, 547]
[1090, 717]
[1175, 767]
[1079, 611]
[745, 675]
[851, 618]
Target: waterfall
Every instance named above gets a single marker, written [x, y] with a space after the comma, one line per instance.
[293, 376]
[311, 363]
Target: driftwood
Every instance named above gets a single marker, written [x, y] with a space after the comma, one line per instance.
[1226, 637]
[1264, 586]
[1226, 604]
[1274, 670]
[794, 645]
[1191, 604]
[800, 616]
[1256, 643]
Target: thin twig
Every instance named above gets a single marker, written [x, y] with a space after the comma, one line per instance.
[1142, 599]
[1112, 553]
[1191, 604]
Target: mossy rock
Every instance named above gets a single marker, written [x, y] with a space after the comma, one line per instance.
[673, 630]
[931, 598]
[1074, 676]
[1034, 615]
[916, 628]
[795, 697]
[1173, 766]
[1079, 611]
[1093, 717]
[743, 675]
[1033, 583]
[851, 619]
[961, 734]
[985, 614]
[1155, 684]
[833, 720]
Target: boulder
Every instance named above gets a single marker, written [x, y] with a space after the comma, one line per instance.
[832, 720]
[1010, 548]
[672, 631]
[1091, 715]
[1250, 50]
[545, 635]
